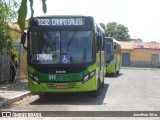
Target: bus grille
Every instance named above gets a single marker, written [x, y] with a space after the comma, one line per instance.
[53, 85]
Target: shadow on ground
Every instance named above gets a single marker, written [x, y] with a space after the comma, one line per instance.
[72, 98]
[112, 76]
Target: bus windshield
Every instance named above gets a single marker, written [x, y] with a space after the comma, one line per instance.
[61, 47]
[109, 53]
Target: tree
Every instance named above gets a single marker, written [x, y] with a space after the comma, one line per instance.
[102, 25]
[22, 12]
[117, 31]
[7, 10]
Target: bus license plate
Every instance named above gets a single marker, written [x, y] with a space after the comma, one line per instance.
[61, 86]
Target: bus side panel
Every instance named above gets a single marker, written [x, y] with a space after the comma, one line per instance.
[103, 64]
[118, 62]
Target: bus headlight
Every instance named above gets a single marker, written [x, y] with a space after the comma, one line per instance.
[92, 73]
[110, 63]
[34, 78]
[30, 75]
[88, 76]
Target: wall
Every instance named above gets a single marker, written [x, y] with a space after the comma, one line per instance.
[5, 71]
[23, 63]
[156, 52]
[141, 57]
[4, 66]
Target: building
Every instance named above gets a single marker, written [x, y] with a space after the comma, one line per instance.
[140, 54]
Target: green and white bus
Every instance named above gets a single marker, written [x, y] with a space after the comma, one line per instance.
[65, 54]
[113, 56]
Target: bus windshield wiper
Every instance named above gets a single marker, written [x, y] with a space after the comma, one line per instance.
[72, 38]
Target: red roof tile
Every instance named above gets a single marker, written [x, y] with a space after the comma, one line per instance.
[134, 45]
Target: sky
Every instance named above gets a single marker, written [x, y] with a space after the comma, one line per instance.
[141, 17]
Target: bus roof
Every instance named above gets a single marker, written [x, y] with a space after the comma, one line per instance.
[113, 40]
[70, 16]
[45, 16]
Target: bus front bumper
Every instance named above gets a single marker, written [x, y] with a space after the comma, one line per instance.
[89, 85]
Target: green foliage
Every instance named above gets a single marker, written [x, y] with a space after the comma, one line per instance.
[31, 6]
[102, 25]
[44, 6]
[7, 15]
[22, 12]
[117, 31]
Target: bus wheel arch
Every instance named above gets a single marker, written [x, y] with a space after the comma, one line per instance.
[96, 93]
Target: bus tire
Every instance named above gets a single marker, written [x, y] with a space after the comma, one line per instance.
[96, 93]
[118, 69]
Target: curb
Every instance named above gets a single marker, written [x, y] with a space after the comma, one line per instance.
[136, 68]
[14, 98]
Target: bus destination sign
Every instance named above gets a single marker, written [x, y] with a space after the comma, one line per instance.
[61, 22]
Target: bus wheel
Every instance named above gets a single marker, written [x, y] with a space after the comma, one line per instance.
[96, 93]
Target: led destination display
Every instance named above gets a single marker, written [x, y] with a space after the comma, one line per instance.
[61, 21]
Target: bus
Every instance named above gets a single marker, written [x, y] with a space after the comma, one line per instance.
[65, 54]
[113, 56]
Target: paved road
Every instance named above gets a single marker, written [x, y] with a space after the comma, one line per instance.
[132, 90]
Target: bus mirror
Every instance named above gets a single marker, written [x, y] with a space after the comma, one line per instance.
[23, 38]
[99, 41]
